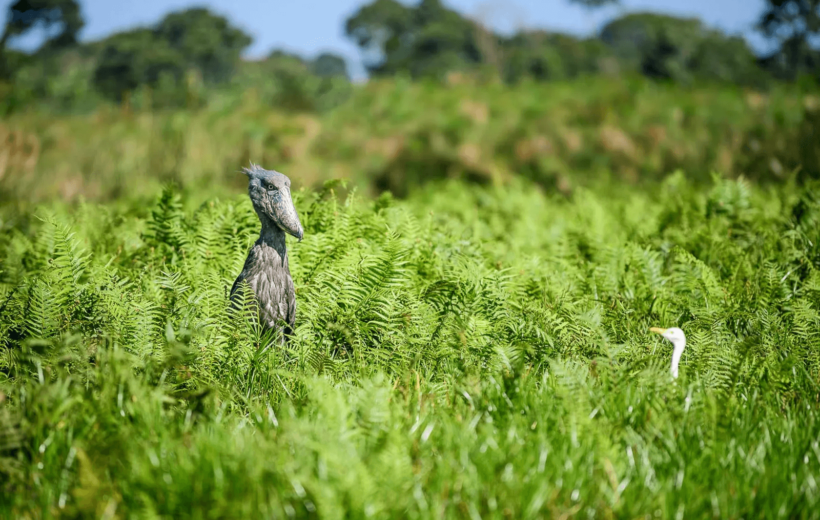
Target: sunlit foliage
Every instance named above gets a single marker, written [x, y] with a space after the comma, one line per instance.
[469, 352]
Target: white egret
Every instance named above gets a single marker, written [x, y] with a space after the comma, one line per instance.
[678, 340]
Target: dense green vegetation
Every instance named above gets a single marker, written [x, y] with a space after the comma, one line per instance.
[487, 243]
[397, 135]
[470, 351]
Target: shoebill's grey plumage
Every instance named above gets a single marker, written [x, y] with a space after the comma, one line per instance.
[266, 269]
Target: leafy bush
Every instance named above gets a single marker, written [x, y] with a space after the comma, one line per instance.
[472, 351]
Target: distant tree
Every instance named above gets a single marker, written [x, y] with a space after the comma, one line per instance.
[291, 82]
[678, 49]
[551, 56]
[726, 59]
[383, 30]
[794, 25]
[134, 58]
[194, 39]
[328, 65]
[281, 59]
[205, 41]
[593, 4]
[426, 40]
[444, 41]
[24, 15]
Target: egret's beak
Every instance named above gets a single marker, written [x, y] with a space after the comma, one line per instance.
[658, 330]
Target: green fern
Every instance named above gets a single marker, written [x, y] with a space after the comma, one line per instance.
[468, 351]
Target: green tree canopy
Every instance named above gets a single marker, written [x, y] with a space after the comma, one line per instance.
[428, 39]
[679, 49]
[205, 41]
[425, 40]
[195, 39]
[382, 29]
[542, 55]
[593, 4]
[794, 25]
[24, 15]
[134, 58]
[325, 65]
[328, 65]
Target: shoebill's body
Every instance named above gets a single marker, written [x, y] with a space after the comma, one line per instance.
[266, 269]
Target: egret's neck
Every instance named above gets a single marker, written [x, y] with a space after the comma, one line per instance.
[679, 345]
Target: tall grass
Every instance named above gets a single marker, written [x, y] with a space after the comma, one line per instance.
[470, 352]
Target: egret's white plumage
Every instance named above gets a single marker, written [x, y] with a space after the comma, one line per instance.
[678, 340]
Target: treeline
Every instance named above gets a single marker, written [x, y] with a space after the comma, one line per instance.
[193, 56]
[182, 60]
[431, 40]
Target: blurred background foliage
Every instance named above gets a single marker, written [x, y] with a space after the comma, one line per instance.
[647, 94]
[560, 135]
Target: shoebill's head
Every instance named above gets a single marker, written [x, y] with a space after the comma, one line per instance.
[270, 193]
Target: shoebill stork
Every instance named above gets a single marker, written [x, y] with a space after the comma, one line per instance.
[266, 269]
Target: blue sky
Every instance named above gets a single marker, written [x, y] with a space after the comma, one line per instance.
[312, 26]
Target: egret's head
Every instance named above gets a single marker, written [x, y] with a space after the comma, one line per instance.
[674, 334]
[270, 193]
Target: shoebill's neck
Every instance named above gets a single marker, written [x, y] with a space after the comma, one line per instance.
[272, 237]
